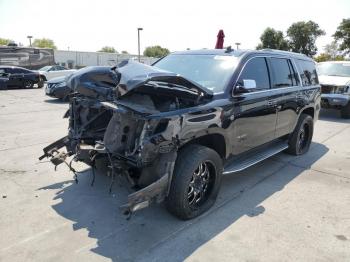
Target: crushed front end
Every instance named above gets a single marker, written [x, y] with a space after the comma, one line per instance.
[122, 115]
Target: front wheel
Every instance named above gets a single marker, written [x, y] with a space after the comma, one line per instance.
[41, 82]
[300, 139]
[195, 183]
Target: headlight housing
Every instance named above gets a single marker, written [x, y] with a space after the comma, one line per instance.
[61, 84]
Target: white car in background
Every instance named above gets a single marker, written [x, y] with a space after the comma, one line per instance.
[334, 77]
[53, 71]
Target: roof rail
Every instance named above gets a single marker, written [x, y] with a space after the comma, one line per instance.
[282, 52]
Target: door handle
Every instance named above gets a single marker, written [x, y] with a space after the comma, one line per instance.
[271, 102]
[299, 95]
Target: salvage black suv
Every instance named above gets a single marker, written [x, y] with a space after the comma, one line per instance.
[172, 130]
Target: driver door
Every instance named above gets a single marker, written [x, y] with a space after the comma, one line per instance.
[254, 116]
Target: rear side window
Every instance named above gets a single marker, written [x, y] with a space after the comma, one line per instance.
[307, 72]
[283, 73]
[19, 71]
[256, 69]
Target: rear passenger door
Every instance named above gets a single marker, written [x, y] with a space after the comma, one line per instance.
[284, 96]
[254, 118]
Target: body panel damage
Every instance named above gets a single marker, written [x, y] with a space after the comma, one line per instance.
[136, 120]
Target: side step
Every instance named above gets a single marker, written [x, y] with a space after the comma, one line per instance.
[252, 158]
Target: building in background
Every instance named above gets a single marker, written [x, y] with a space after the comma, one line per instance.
[35, 58]
[79, 59]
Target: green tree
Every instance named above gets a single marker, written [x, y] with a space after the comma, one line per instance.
[44, 43]
[4, 41]
[108, 49]
[156, 51]
[333, 50]
[322, 57]
[331, 53]
[302, 37]
[343, 35]
[273, 39]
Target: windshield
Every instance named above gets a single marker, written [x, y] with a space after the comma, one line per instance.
[210, 71]
[45, 68]
[334, 69]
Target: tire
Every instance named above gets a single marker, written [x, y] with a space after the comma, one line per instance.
[345, 111]
[300, 139]
[41, 82]
[28, 84]
[183, 201]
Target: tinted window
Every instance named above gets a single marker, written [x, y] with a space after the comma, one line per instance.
[283, 73]
[17, 71]
[256, 69]
[307, 72]
[20, 71]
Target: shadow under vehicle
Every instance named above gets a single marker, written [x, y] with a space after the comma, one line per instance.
[173, 129]
[152, 233]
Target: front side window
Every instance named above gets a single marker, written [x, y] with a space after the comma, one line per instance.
[308, 72]
[256, 69]
[45, 68]
[283, 72]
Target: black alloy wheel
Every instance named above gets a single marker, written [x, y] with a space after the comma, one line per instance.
[300, 140]
[195, 183]
[28, 84]
[201, 184]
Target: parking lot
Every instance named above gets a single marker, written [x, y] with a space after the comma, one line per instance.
[283, 209]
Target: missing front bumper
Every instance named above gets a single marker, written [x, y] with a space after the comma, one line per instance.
[156, 192]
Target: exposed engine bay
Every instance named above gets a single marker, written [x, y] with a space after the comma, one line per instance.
[132, 116]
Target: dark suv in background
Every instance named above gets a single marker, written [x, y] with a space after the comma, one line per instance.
[174, 128]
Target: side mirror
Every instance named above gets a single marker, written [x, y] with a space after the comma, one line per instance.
[248, 85]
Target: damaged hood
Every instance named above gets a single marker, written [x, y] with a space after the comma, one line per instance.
[134, 75]
[334, 80]
[100, 81]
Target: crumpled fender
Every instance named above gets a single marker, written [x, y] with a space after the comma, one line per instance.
[155, 192]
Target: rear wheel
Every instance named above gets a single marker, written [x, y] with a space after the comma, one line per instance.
[28, 84]
[196, 182]
[300, 139]
[345, 111]
[41, 82]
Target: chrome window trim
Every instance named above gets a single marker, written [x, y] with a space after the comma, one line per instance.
[271, 89]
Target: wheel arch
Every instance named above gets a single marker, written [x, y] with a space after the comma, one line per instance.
[43, 77]
[309, 111]
[213, 141]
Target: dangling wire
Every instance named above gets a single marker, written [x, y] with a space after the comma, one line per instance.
[113, 172]
[93, 169]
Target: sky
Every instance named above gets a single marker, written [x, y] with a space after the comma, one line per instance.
[176, 25]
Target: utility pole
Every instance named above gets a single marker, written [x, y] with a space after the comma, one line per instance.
[30, 40]
[138, 41]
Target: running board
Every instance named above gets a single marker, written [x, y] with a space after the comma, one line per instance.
[255, 157]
